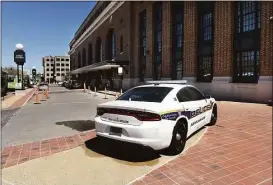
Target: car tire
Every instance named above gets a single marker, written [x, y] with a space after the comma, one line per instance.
[179, 138]
[213, 118]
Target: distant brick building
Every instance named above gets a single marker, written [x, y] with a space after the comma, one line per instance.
[223, 48]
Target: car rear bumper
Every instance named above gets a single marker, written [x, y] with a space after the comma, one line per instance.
[156, 135]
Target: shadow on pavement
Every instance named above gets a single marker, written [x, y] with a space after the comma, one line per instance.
[79, 125]
[121, 150]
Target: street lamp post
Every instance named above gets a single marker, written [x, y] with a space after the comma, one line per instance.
[20, 59]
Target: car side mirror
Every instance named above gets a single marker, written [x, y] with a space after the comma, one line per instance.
[208, 96]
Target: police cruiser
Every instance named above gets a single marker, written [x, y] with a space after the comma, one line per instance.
[160, 115]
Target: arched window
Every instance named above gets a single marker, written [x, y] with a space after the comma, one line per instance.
[90, 54]
[84, 57]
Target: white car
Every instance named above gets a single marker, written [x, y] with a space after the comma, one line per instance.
[160, 115]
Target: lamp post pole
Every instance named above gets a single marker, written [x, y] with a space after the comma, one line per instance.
[20, 59]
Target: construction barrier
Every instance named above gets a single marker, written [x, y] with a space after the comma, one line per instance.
[43, 96]
[84, 87]
[37, 97]
[120, 92]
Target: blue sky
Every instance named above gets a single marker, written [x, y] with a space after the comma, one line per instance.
[44, 28]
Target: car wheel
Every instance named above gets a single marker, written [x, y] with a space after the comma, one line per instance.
[179, 138]
[213, 118]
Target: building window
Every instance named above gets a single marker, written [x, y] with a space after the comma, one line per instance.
[177, 40]
[52, 64]
[90, 54]
[51, 60]
[47, 64]
[62, 69]
[62, 74]
[58, 74]
[79, 61]
[121, 44]
[47, 74]
[98, 50]
[113, 45]
[247, 42]
[142, 43]
[58, 59]
[66, 64]
[205, 42]
[47, 69]
[110, 46]
[67, 59]
[62, 65]
[62, 59]
[58, 64]
[58, 69]
[51, 69]
[157, 41]
[84, 57]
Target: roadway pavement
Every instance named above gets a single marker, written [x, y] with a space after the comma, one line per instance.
[61, 115]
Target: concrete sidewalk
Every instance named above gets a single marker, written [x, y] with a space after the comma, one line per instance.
[17, 100]
[98, 162]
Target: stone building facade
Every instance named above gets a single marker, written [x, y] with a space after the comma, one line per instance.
[223, 48]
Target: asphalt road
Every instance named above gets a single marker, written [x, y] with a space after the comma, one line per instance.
[6, 115]
[62, 114]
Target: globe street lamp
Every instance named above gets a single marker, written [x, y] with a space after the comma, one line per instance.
[20, 59]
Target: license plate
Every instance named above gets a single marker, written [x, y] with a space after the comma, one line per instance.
[115, 131]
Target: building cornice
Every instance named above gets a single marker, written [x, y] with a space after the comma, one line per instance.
[106, 14]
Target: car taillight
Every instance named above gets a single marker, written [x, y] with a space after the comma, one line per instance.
[147, 116]
[142, 116]
[100, 111]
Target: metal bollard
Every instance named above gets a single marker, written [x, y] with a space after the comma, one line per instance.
[89, 91]
[105, 95]
[95, 91]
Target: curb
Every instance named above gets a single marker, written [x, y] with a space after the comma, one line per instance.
[28, 95]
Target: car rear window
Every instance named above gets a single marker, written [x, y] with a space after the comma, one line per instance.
[146, 94]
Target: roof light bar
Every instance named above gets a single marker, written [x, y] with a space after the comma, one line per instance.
[167, 82]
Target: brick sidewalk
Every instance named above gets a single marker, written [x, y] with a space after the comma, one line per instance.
[238, 150]
[23, 100]
[13, 155]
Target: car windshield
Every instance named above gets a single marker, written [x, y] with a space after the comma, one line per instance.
[146, 94]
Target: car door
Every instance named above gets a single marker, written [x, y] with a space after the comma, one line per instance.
[190, 105]
[200, 113]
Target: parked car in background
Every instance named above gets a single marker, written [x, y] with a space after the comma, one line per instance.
[43, 86]
[75, 85]
[60, 83]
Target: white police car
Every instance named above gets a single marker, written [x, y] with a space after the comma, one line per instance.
[162, 114]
